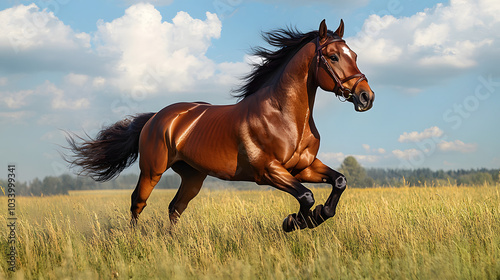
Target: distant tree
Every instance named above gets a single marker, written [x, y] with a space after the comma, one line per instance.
[476, 178]
[169, 182]
[127, 180]
[68, 183]
[36, 187]
[355, 173]
[53, 185]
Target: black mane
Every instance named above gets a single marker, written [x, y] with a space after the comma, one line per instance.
[288, 41]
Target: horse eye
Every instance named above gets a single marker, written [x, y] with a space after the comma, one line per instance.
[334, 58]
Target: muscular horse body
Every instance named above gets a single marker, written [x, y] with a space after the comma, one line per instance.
[268, 137]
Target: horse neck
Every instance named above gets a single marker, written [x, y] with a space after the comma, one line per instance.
[295, 90]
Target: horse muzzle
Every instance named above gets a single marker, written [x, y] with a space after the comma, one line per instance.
[363, 101]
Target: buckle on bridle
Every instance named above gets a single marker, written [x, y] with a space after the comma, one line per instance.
[342, 98]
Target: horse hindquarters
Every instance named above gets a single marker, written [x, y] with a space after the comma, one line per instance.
[153, 161]
[158, 152]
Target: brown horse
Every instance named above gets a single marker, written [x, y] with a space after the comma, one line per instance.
[268, 137]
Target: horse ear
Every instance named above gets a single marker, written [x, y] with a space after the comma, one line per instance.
[322, 29]
[340, 30]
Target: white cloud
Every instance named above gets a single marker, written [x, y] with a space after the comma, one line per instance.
[16, 117]
[457, 146]
[336, 159]
[363, 159]
[137, 53]
[415, 136]
[34, 40]
[407, 154]
[15, 100]
[368, 149]
[152, 54]
[26, 27]
[229, 72]
[429, 46]
[47, 95]
[98, 82]
[434, 34]
[76, 79]
[61, 100]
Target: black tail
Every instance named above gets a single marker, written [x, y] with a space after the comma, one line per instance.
[114, 149]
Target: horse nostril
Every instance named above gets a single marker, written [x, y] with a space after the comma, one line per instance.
[364, 98]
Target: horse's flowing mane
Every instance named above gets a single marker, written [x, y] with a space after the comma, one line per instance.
[288, 41]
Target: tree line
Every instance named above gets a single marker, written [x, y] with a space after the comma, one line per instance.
[55, 185]
[357, 177]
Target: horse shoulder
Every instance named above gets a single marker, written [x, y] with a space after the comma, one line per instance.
[305, 153]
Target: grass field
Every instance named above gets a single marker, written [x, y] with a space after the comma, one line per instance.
[389, 233]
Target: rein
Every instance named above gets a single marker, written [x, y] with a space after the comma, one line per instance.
[340, 90]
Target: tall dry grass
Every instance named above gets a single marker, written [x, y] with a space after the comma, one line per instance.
[405, 233]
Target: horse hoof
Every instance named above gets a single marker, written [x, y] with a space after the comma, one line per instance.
[289, 224]
[133, 223]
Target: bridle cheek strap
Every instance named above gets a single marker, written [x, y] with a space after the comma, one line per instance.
[339, 89]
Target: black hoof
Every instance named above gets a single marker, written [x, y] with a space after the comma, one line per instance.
[292, 223]
[316, 217]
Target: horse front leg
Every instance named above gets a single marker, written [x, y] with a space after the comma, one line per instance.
[318, 172]
[277, 176]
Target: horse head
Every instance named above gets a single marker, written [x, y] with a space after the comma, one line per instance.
[337, 71]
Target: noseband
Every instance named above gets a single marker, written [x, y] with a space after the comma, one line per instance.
[340, 90]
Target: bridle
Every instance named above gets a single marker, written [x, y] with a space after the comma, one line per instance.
[340, 90]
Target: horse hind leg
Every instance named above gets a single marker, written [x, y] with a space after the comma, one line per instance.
[153, 162]
[144, 187]
[191, 183]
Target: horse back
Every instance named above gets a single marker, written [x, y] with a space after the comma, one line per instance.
[198, 133]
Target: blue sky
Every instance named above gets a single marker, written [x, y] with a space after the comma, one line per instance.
[78, 65]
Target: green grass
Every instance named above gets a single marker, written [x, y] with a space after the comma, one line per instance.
[404, 233]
